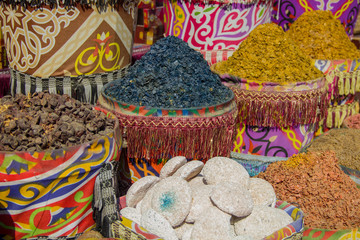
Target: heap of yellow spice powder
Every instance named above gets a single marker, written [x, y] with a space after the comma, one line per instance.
[321, 36]
[268, 55]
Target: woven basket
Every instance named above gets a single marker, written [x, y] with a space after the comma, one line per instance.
[124, 228]
[154, 135]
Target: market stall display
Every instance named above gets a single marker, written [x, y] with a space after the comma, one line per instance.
[281, 96]
[67, 47]
[170, 103]
[242, 199]
[321, 36]
[52, 148]
[285, 13]
[329, 198]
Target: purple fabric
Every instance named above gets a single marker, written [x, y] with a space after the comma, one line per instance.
[4, 82]
[286, 12]
[272, 141]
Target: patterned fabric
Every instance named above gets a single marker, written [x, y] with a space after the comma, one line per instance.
[50, 42]
[342, 76]
[215, 56]
[133, 110]
[85, 88]
[272, 141]
[127, 229]
[269, 104]
[286, 12]
[214, 26]
[324, 234]
[50, 193]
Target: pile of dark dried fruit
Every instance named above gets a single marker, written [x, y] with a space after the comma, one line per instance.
[48, 121]
[170, 75]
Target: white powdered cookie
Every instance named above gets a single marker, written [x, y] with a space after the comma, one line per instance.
[171, 166]
[172, 198]
[131, 213]
[243, 237]
[196, 181]
[189, 170]
[180, 230]
[232, 198]
[187, 234]
[146, 202]
[201, 201]
[262, 222]
[262, 192]
[212, 224]
[158, 225]
[223, 169]
[138, 205]
[137, 191]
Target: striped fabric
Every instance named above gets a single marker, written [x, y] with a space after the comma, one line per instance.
[85, 88]
[216, 56]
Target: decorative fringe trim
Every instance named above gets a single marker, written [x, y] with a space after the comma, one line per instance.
[160, 138]
[228, 2]
[337, 115]
[101, 5]
[343, 83]
[281, 109]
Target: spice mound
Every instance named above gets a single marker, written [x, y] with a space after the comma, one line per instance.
[321, 36]
[344, 142]
[268, 55]
[326, 195]
[48, 121]
[170, 75]
[353, 121]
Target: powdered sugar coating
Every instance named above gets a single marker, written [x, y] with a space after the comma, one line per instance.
[262, 222]
[138, 189]
[187, 234]
[146, 202]
[212, 224]
[201, 201]
[196, 181]
[132, 214]
[180, 230]
[171, 166]
[157, 224]
[172, 198]
[232, 198]
[189, 170]
[262, 192]
[223, 169]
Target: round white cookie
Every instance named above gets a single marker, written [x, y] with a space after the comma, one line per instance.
[131, 213]
[138, 189]
[180, 230]
[232, 198]
[196, 181]
[201, 201]
[146, 202]
[171, 166]
[189, 170]
[187, 234]
[262, 222]
[223, 169]
[212, 224]
[172, 198]
[262, 192]
[158, 225]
